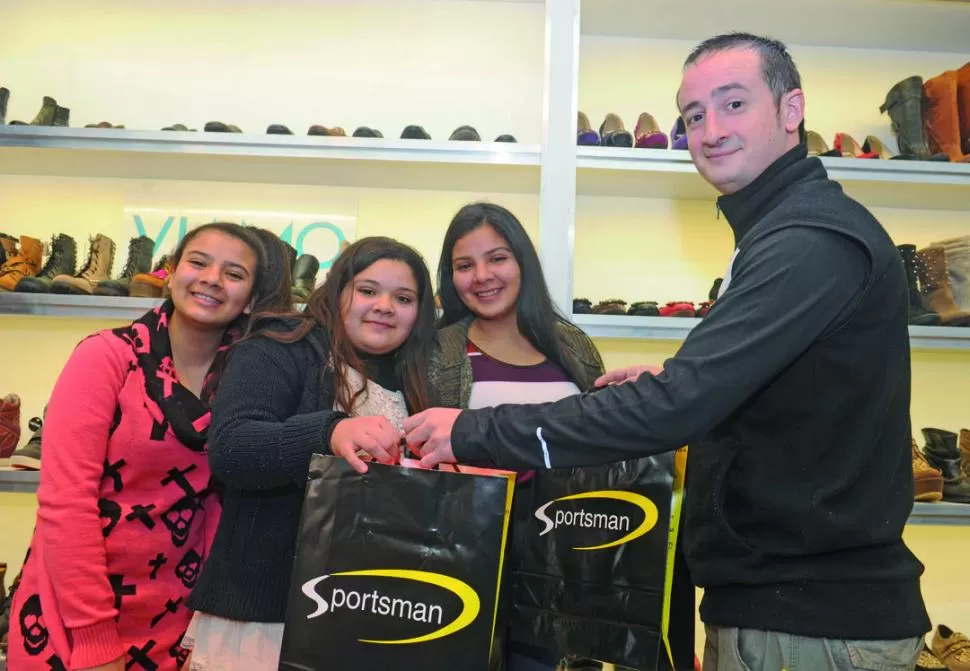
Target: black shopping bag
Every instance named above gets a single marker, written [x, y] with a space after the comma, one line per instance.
[594, 560]
[399, 568]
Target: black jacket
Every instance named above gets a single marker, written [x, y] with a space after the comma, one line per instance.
[793, 395]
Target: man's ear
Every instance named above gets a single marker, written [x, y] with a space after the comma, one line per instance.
[792, 109]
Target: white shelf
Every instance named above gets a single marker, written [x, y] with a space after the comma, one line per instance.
[911, 25]
[66, 305]
[609, 171]
[677, 328]
[950, 514]
[271, 159]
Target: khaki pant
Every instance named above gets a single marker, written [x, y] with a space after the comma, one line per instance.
[732, 649]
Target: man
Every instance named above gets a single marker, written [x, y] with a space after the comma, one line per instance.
[793, 395]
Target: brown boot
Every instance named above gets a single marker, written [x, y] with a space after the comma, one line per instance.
[25, 263]
[8, 244]
[9, 426]
[934, 278]
[98, 269]
[927, 481]
[963, 105]
[942, 118]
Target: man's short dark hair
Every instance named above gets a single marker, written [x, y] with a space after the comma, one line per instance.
[777, 66]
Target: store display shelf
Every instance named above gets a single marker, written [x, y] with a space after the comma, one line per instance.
[916, 26]
[64, 305]
[951, 514]
[12, 480]
[609, 171]
[271, 159]
[677, 328]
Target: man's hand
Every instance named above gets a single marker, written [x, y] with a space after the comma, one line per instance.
[628, 374]
[430, 433]
[374, 435]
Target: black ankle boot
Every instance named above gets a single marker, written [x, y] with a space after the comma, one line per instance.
[140, 252]
[906, 106]
[918, 314]
[942, 453]
[62, 261]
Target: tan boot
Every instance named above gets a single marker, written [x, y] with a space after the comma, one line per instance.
[98, 269]
[963, 105]
[934, 278]
[927, 481]
[942, 118]
[25, 263]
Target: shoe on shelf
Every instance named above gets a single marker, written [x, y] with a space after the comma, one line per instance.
[278, 129]
[963, 104]
[62, 261]
[464, 134]
[180, 127]
[847, 147]
[942, 453]
[873, 145]
[952, 648]
[927, 661]
[613, 133]
[9, 424]
[582, 306]
[703, 308]
[715, 289]
[678, 135]
[817, 146]
[27, 458]
[140, 252]
[585, 135]
[942, 116]
[4, 99]
[644, 309]
[45, 117]
[905, 105]
[678, 309]
[317, 129]
[611, 306]
[102, 124]
[414, 133]
[151, 285]
[505, 137]
[937, 292]
[8, 247]
[97, 269]
[220, 127]
[62, 116]
[648, 134]
[304, 277]
[25, 263]
[965, 452]
[918, 314]
[927, 481]
[367, 131]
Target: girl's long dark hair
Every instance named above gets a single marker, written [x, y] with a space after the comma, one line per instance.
[323, 308]
[535, 312]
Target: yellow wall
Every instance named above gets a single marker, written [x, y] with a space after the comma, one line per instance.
[387, 65]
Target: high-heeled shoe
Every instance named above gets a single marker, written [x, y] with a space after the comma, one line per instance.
[847, 147]
[678, 134]
[817, 146]
[648, 134]
[874, 145]
[585, 135]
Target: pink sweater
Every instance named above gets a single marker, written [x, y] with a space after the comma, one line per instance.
[124, 523]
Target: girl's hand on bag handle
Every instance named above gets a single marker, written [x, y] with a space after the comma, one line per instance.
[374, 435]
[430, 432]
[628, 374]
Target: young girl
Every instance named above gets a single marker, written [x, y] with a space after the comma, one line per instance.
[501, 340]
[338, 378]
[125, 512]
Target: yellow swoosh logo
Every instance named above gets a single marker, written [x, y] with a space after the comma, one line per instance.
[650, 513]
[470, 603]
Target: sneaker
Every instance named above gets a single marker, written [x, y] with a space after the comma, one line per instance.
[9, 424]
[611, 306]
[927, 481]
[27, 458]
[678, 309]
